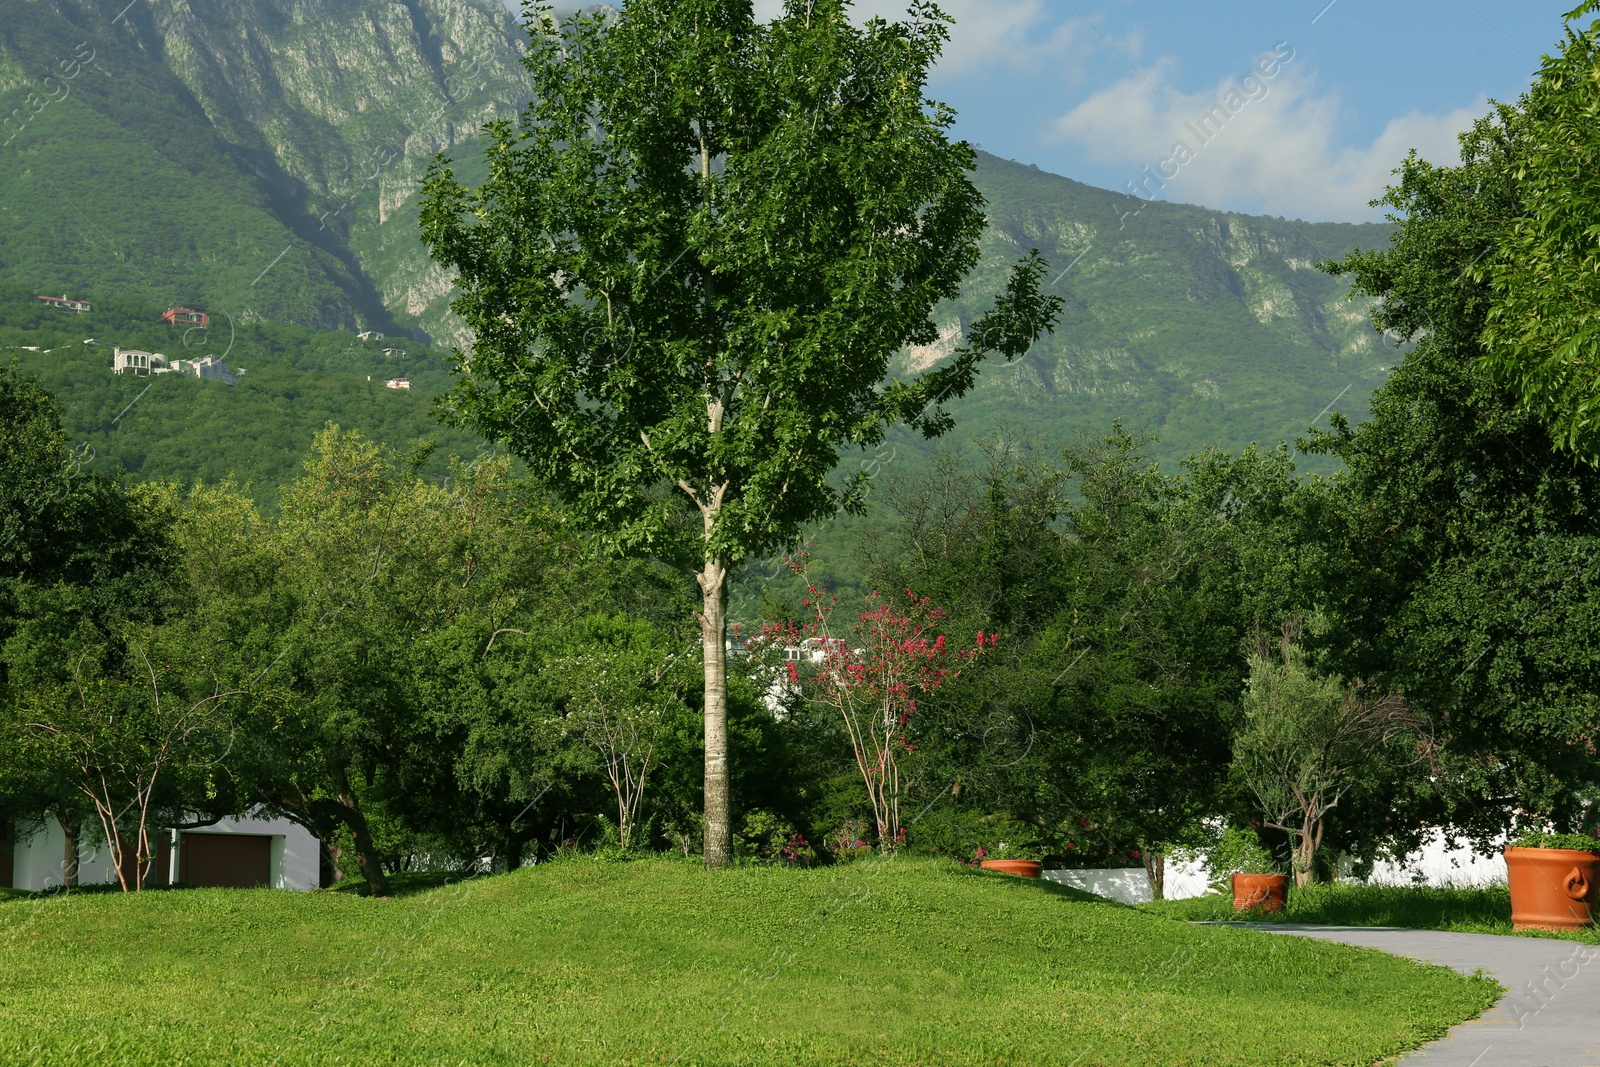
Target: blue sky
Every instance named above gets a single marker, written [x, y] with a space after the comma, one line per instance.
[1099, 89]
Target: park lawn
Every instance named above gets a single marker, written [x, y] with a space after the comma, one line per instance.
[660, 962]
[1485, 910]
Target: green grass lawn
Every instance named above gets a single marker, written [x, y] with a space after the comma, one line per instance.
[1477, 911]
[660, 962]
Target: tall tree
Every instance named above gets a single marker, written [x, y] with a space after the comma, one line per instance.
[1542, 334]
[1471, 573]
[366, 569]
[78, 553]
[691, 264]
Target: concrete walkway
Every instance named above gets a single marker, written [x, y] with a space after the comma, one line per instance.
[1550, 1017]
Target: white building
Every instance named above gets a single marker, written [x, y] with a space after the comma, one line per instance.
[398, 383]
[133, 361]
[207, 367]
[239, 853]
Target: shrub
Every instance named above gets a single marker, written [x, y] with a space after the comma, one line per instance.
[770, 838]
[1580, 842]
[850, 841]
[1238, 851]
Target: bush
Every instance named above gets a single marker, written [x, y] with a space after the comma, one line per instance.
[770, 838]
[1238, 851]
[850, 841]
[1579, 842]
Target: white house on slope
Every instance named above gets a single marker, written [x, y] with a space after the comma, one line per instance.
[238, 853]
[135, 361]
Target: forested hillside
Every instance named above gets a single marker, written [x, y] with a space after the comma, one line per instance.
[1202, 327]
[294, 381]
[262, 164]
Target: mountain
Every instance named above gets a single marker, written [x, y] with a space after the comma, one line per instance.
[261, 162]
[1201, 327]
[241, 158]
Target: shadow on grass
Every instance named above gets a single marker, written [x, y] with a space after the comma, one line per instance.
[97, 889]
[1478, 911]
[405, 884]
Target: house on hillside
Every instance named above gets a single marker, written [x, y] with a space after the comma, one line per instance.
[369, 335]
[238, 853]
[398, 383]
[134, 361]
[66, 303]
[781, 689]
[186, 317]
[207, 367]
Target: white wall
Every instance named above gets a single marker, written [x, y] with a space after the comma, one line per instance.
[1435, 864]
[1131, 885]
[37, 859]
[1438, 864]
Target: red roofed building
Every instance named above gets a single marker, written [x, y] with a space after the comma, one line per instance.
[186, 316]
[66, 304]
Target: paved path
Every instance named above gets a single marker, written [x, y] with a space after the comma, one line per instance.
[1550, 1017]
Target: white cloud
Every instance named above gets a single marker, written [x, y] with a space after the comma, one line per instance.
[1002, 36]
[998, 35]
[1277, 149]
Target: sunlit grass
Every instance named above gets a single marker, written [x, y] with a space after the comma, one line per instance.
[658, 961]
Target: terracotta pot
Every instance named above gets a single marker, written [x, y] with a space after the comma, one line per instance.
[1552, 888]
[1268, 892]
[1025, 868]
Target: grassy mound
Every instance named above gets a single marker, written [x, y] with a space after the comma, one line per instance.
[657, 962]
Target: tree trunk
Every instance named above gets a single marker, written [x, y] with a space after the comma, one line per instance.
[1275, 840]
[334, 853]
[367, 857]
[1155, 869]
[513, 854]
[713, 632]
[70, 828]
[1305, 853]
[348, 811]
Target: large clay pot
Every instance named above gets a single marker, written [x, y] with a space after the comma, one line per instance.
[1025, 868]
[1268, 892]
[1552, 888]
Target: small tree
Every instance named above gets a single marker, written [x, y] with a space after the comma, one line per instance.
[690, 267]
[873, 680]
[1306, 740]
[127, 743]
[621, 691]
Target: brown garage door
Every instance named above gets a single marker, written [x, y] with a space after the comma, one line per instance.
[237, 861]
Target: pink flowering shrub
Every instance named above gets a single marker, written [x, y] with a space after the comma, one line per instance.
[873, 678]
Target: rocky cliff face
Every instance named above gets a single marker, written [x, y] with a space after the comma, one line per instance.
[350, 99]
[326, 113]
[341, 94]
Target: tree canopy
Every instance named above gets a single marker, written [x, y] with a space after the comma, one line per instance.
[691, 264]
